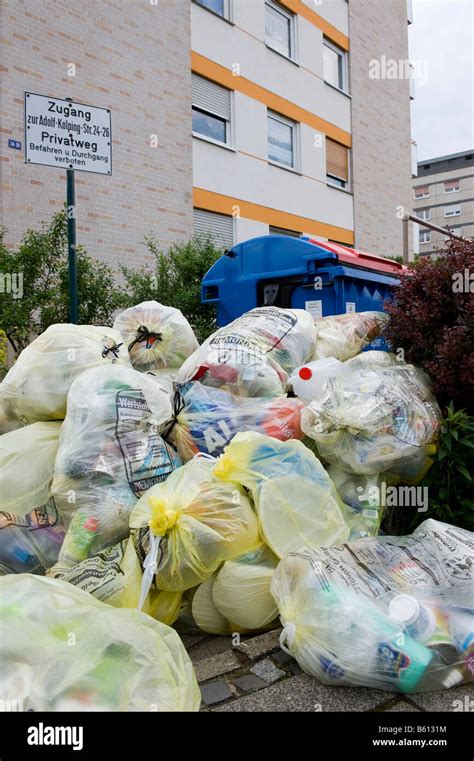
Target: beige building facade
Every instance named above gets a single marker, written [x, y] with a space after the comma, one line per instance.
[444, 196]
[131, 57]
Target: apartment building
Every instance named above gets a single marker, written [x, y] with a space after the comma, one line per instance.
[241, 117]
[133, 58]
[291, 134]
[444, 195]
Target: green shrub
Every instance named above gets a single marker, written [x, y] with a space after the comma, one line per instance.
[450, 480]
[174, 278]
[41, 264]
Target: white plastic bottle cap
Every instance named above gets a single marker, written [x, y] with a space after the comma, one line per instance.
[452, 678]
[404, 609]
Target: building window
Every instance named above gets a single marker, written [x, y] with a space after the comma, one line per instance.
[452, 211]
[281, 231]
[281, 140]
[221, 7]
[280, 29]
[334, 66]
[211, 110]
[452, 186]
[219, 226]
[337, 164]
[425, 236]
[424, 214]
[422, 192]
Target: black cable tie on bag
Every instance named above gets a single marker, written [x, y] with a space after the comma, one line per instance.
[114, 349]
[178, 406]
[143, 334]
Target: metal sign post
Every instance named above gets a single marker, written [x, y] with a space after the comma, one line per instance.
[72, 136]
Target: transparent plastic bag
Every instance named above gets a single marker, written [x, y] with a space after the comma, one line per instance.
[36, 387]
[121, 660]
[344, 622]
[184, 528]
[157, 336]
[254, 354]
[375, 420]
[344, 335]
[110, 453]
[30, 543]
[208, 418]
[294, 497]
[27, 458]
[114, 576]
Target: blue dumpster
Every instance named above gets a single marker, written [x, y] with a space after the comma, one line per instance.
[301, 273]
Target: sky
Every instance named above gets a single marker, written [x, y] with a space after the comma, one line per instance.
[441, 45]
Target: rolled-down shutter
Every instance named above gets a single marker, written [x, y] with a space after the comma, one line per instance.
[451, 184]
[337, 159]
[220, 226]
[210, 97]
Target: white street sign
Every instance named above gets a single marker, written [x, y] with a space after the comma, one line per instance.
[67, 135]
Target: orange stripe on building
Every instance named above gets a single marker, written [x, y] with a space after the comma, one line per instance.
[223, 76]
[210, 201]
[329, 31]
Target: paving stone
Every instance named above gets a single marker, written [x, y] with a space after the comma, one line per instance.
[402, 705]
[457, 699]
[261, 645]
[282, 657]
[215, 692]
[212, 645]
[216, 665]
[295, 668]
[306, 694]
[189, 640]
[249, 682]
[267, 671]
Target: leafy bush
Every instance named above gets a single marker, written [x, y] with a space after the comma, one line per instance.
[40, 266]
[450, 481]
[175, 279]
[431, 318]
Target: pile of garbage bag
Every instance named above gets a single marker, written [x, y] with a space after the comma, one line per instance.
[149, 483]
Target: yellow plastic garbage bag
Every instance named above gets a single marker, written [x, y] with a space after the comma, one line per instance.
[344, 335]
[205, 613]
[110, 453]
[241, 590]
[188, 525]
[63, 650]
[392, 613]
[294, 497]
[27, 458]
[157, 336]
[36, 387]
[254, 354]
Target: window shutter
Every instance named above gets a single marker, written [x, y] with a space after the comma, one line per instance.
[220, 226]
[451, 184]
[337, 159]
[422, 190]
[210, 97]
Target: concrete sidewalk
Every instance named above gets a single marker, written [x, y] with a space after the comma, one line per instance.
[256, 675]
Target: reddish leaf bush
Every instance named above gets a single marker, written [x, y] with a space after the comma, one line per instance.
[432, 320]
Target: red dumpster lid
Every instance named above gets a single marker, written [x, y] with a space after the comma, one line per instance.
[362, 259]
